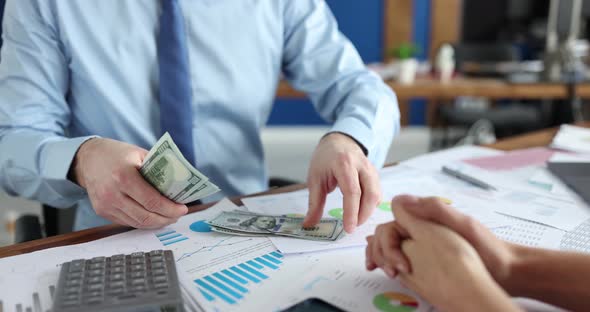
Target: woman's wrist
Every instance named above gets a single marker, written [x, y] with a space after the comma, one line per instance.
[512, 270]
[484, 294]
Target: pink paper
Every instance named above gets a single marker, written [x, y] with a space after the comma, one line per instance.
[513, 160]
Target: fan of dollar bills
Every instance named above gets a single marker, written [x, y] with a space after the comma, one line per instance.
[250, 224]
[166, 169]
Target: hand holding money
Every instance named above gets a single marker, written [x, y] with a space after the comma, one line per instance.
[108, 170]
[249, 224]
[167, 170]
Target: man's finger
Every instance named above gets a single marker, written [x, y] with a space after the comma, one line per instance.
[143, 218]
[348, 181]
[317, 200]
[371, 194]
[149, 197]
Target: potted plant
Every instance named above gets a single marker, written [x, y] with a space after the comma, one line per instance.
[408, 64]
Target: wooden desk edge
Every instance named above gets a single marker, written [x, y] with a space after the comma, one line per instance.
[534, 139]
[108, 230]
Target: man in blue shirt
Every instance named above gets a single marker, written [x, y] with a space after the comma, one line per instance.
[80, 102]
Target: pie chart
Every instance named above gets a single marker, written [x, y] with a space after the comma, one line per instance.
[395, 302]
[384, 206]
[336, 213]
[200, 227]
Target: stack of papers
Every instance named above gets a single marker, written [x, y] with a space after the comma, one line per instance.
[573, 139]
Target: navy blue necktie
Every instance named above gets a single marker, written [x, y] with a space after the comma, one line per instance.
[175, 87]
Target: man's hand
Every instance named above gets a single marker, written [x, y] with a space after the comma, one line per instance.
[386, 252]
[446, 269]
[339, 161]
[109, 171]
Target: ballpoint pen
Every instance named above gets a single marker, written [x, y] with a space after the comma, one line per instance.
[467, 178]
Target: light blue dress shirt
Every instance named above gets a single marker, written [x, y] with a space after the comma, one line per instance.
[75, 69]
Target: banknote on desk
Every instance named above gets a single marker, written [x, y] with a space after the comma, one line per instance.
[249, 224]
[165, 168]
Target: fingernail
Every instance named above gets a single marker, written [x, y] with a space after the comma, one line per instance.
[402, 268]
[389, 271]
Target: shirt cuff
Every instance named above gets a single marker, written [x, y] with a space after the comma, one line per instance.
[58, 156]
[355, 129]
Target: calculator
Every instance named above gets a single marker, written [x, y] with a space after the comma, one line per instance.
[141, 281]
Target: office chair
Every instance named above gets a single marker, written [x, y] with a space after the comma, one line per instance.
[506, 118]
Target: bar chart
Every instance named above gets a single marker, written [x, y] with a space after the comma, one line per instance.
[170, 237]
[37, 305]
[232, 284]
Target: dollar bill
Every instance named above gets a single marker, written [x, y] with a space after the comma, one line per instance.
[240, 223]
[237, 233]
[166, 169]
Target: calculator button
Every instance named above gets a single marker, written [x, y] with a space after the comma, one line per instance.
[117, 270]
[96, 272]
[94, 266]
[93, 294]
[137, 267]
[76, 265]
[72, 290]
[157, 265]
[98, 260]
[117, 263]
[138, 281]
[160, 285]
[136, 274]
[94, 280]
[158, 272]
[160, 279]
[137, 255]
[74, 275]
[117, 277]
[156, 253]
[74, 282]
[156, 259]
[92, 287]
[137, 261]
[119, 284]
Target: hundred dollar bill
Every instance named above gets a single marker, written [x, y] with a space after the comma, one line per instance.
[237, 233]
[248, 223]
[168, 171]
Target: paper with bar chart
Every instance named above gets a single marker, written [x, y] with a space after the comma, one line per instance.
[340, 278]
[224, 272]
